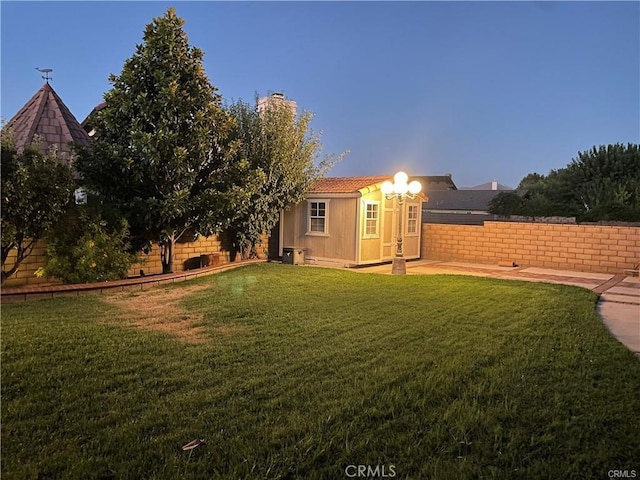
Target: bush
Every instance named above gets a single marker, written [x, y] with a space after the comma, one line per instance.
[36, 189]
[86, 247]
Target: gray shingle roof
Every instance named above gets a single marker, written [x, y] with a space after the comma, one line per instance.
[467, 200]
[487, 186]
[432, 183]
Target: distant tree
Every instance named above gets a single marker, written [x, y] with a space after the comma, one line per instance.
[275, 163]
[601, 184]
[160, 151]
[605, 181]
[533, 181]
[36, 190]
[506, 203]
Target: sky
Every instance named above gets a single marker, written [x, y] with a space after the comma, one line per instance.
[482, 90]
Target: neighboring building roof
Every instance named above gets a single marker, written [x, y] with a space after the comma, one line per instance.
[466, 200]
[346, 184]
[488, 186]
[46, 115]
[431, 183]
[87, 123]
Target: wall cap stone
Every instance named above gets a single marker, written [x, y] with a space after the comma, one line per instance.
[17, 294]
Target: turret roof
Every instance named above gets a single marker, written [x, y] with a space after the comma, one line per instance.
[46, 116]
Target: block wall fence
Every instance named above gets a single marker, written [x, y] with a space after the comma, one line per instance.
[584, 248]
[151, 265]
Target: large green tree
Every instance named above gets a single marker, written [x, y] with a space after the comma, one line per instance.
[605, 182]
[602, 183]
[278, 157]
[160, 152]
[36, 190]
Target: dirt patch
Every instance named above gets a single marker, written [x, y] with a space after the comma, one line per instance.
[158, 310]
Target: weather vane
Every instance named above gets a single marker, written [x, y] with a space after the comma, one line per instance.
[46, 72]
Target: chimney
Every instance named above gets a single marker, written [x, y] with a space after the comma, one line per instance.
[276, 98]
[494, 185]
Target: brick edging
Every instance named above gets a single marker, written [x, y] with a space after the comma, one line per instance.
[18, 294]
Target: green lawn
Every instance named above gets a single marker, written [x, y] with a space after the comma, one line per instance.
[295, 372]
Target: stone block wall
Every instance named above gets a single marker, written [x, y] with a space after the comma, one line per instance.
[25, 275]
[586, 248]
[183, 252]
[151, 265]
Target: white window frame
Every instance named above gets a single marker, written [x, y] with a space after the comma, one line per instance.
[310, 202]
[416, 219]
[376, 234]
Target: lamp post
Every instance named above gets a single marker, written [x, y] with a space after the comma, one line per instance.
[400, 190]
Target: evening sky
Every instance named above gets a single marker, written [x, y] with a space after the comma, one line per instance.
[482, 90]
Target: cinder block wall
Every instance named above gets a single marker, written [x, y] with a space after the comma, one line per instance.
[586, 248]
[25, 273]
[184, 251]
[190, 250]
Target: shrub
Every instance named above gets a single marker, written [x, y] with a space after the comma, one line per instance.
[36, 189]
[86, 247]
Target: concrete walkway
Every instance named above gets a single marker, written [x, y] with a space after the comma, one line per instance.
[618, 306]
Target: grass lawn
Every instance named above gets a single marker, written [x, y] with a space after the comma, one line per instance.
[295, 372]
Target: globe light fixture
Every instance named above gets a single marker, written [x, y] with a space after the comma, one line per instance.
[400, 190]
[415, 187]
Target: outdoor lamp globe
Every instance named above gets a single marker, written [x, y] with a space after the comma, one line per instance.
[400, 178]
[387, 187]
[415, 187]
[401, 188]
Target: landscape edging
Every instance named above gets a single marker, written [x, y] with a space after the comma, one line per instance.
[19, 294]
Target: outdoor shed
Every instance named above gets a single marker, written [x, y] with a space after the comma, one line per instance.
[347, 221]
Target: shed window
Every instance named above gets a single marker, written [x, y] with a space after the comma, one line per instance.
[371, 219]
[318, 217]
[412, 219]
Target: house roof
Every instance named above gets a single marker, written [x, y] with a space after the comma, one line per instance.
[467, 200]
[431, 183]
[487, 186]
[87, 123]
[46, 115]
[346, 184]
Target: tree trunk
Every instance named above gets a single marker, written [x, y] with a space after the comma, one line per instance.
[167, 253]
[246, 252]
[8, 273]
[21, 254]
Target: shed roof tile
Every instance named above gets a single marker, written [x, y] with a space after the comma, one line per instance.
[346, 184]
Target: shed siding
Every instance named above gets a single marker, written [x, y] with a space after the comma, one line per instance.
[370, 249]
[411, 246]
[339, 243]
